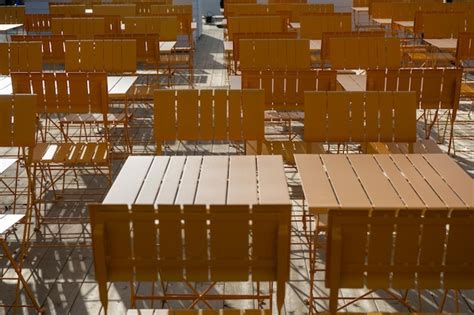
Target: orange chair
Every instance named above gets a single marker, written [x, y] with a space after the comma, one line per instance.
[114, 259]
[52, 46]
[82, 28]
[67, 10]
[313, 26]
[12, 14]
[20, 56]
[208, 115]
[399, 249]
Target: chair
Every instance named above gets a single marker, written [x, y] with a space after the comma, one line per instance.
[313, 26]
[20, 56]
[437, 89]
[399, 249]
[52, 46]
[208, 115]
[67, 10]
[122, 10]
[82, 28]
[227, 242]
[38, 23]
[255, 24]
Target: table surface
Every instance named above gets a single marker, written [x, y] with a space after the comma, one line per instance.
[352, 82]
[431, 181]
[6, 163]
[7, 27]
[204, 180]
[295, 25]
[117, 86]
[443, 43]
[314, 45]
[9, 220]
[383, 21]
[360, 9]
[406, 24]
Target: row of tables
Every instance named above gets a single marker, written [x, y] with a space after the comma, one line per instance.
[329, 181]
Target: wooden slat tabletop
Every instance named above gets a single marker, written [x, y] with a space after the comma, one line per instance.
[206, 180]
[425, 181]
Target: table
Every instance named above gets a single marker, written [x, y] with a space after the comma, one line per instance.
[118, 86]
[295, 25]
[449, 44]
[352, 82]
[4, 28]
[404, 26]
[384, 22]
[424, 181]
[356, 13]
[204, 180]
[5, 163]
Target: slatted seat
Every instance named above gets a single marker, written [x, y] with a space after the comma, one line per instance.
[399, 249]
[186, 115]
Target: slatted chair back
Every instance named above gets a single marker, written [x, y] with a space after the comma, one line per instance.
[183, 13]
[435, 88]
[285, 90]
[360, 117]
[185, 236]
[114, 9]
[17, 120]
[39, 23]
[326, 36]
[167, 27]
[82, 28]
[399, 249]
[287, 1]
[147, 45]
[360, 3]
[274, 54]
[12, 14]
[313, 26]
[67, 10]
[298, 10]
[20, 56]
[255, 24]
[465, 47]
[243, 9]
[52, 46]
[364, 52]
[273, 35]
[440, 24]
[107, 55]
[65, 92]
[188, 115]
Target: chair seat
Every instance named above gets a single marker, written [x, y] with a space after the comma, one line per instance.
[71, 153]
[467, 89]
[284, 115]
[421, 147]
[286, 149]
[94, 118]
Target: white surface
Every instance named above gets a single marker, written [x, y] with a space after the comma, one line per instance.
[6, 163]
[8, 27]
[9, 220]
[443, 43]
[235, 82]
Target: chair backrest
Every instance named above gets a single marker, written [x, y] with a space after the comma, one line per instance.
[465, 47]
[326, 36]
[12, 14]
[114, 9]
[206, 115]
[215, 244]
[147, 45]
[39, 23]
[67, 9]
[298, 10]
[405, 249]
[364, 52]
[313, 26]
[243, 9]
[255, 24]
[109, 55]
[82, 28]
[17, 120]
[272, 35]
[20, 56]
[183, 13]
[435, 88]
[167, 26]
[64, 92]
[360, 117]
[52, 46]
[440, 24]
[274, 54]
[285, 90]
